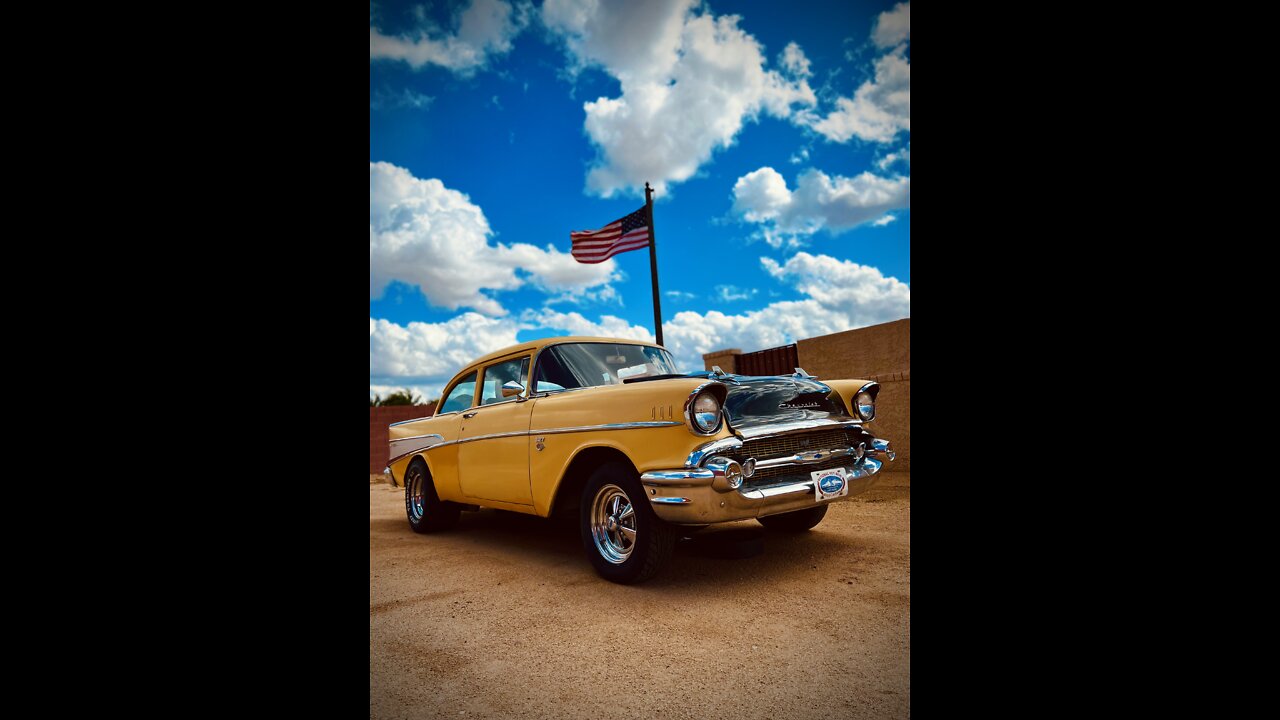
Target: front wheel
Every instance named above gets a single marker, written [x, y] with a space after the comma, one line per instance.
[797, 521]
[427, 513]
[623, 539]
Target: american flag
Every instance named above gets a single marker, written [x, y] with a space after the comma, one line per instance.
[629, 233]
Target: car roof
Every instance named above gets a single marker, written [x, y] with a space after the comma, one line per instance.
[534, 345]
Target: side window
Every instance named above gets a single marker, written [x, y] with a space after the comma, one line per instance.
[551, 374]
[504, 372]
[460, 396]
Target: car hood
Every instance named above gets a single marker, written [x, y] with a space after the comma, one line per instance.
[755, 400]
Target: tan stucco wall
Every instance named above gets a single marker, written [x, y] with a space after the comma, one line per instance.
[893, 420]
[726, 359]
[875, 350]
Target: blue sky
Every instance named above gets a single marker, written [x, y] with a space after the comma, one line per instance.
[778, 135]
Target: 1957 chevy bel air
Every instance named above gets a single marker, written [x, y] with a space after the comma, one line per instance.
[610, 430]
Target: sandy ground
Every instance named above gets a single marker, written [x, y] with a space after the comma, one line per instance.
[504, 617]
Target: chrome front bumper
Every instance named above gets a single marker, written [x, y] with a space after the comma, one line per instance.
[700, 495]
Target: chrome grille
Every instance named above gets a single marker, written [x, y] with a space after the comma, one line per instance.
[769, 448]
[793, 473]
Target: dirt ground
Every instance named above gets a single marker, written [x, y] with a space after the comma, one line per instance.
[503, 617]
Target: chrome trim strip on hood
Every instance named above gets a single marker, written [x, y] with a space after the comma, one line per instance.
[798, 426]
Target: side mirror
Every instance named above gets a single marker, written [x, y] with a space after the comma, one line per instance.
[511, 388]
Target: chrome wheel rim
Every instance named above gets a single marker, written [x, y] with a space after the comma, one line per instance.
[413, 494]
[613, 524]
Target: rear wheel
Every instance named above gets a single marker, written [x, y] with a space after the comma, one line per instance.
[623, 539]
[797, 521]
[427, 513]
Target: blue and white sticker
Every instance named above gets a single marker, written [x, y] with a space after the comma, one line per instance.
[830, 483]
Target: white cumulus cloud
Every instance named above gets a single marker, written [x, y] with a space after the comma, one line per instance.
[819, 201]
[424, 356]
[840, 295]
[425, 234]
[689, 81]
[483, 29]
[573, 323]
[881, 107]
[878, 110]
[903, 156]
[893, 26]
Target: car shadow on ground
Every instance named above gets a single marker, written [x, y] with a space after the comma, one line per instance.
[717, 556]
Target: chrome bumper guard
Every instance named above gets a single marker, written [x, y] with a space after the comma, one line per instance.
[700, 495]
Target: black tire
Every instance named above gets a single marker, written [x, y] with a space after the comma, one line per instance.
[427, 513]
[617, 555]
[797, 521]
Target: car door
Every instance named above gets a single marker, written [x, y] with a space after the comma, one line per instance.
[444, 459]
[493, 442]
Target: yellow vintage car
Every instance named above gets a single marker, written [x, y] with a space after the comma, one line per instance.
[609, 430]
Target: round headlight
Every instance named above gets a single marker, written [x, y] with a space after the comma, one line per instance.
[866, 405]
[705, 414]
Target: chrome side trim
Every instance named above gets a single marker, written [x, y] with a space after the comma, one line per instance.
[416, 437]
[798, 426]
[608, 426]
[406, 422]
[409, 445]
[491, 436]
[670, 500]
[550, 431]
[702, 452]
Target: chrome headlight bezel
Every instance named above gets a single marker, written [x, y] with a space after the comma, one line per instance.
[693, 419]
[864, 401]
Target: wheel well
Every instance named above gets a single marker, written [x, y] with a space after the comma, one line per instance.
[569, 494]
[425, 467]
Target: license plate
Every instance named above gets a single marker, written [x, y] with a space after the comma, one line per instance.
[831, 483]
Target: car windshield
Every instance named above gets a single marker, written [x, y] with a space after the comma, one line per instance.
[576, 365]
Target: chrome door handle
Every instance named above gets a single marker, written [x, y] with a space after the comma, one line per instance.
[469, 415]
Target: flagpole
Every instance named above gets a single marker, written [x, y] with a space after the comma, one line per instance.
[653, 265]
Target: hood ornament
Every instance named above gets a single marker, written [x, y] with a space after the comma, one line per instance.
[721, 375]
